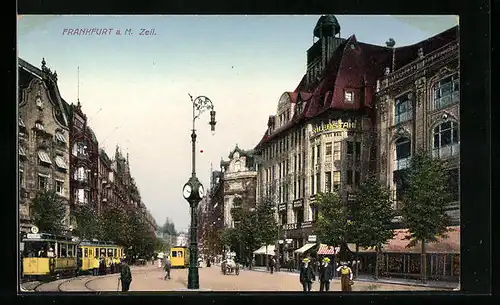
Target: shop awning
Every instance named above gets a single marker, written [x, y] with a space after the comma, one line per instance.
[443, 245]
[328, 250]
[262, 250]
[304, 248]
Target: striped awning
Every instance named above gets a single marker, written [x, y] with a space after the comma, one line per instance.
[60, 137]
[61, 163]
[44, 157]
[328, 250]
[21, 151]
[21, 123]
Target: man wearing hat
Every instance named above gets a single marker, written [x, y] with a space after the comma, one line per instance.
[306, 275]
[345, 277]
[325, 275]
[125, 276]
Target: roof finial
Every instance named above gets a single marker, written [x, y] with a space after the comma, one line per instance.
[78, 86]
[43, 63]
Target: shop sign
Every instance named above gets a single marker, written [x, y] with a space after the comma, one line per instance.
[282, 207]
[280, 241]
[311, 238]
[333, 126]
[32, 235]
[298, 203]
[291, 226]
[306, 224]
[289, 240]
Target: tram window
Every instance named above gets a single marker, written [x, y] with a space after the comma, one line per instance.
[115, 252]
[70, 250]
[174, 253]
[64, 250]
[103, 252]
[179, 253]
[91, 252]
[110, 252]
[79, 252]
[86, 252]
[34, 248]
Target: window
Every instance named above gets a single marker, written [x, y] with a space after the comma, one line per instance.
[60, 138]
[174, 253]
[86, 252]
[295, 163]
[336, 180]
[303, 187]
[299, 215]
[357, 151]
[43, 182]
[44, 158]
[314, 212]
[336, 150]
[357, 178]
[350, 147]
[312, 185]
[403, 153]
[454, 184]
[318, 154]
[59, 187]
[318, 182]
[328, 149]
[179, 253]
[61, 163]
[349, 177]
[400, 179]
[446, 92]
[21, 178]
[295, 189]
[403, 109]
[328, 182]
[348, 97]
[446, 142]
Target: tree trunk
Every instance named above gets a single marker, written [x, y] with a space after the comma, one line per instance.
[356, 258]
[423, 262]
[267, 259]
[377, 255]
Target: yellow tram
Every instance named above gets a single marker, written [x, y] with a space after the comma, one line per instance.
[179, 257]
[90, 252]
[49, 255]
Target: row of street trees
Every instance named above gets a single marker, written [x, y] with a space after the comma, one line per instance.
[122, 226]
[254, 227]
[367, 222]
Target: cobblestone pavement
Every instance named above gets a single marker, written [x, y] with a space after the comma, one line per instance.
[151, 279]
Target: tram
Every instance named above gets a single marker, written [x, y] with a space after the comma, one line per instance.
[90, 252]
[179, 257]
[49, 255]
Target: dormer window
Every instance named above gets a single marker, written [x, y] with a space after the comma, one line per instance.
[348, 97]
[39, 103]
[39, 126]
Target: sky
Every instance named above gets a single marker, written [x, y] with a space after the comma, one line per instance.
[134, 88]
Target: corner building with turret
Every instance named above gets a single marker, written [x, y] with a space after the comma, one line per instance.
[329, 133]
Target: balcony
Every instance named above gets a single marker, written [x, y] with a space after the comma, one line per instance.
[298, 203]
[307, 224]
[282, 207]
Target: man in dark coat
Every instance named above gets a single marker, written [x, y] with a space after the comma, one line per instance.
[325, 275]
[272, 264]
[168, 266]
[125, 276]
[306, 275]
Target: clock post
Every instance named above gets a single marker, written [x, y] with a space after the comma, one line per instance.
[193, 190]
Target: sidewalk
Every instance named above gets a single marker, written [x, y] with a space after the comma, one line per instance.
[367, 278]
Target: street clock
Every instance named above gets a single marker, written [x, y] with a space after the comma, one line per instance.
[193, 190]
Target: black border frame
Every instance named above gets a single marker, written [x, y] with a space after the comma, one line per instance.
[475, 133]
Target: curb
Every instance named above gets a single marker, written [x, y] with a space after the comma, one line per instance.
[374, 281]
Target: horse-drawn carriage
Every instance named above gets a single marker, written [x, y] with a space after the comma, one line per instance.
[229, 266]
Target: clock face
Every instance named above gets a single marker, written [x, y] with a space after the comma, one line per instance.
[201, 191]
[186, 192]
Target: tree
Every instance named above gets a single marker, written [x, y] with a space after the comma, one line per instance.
[168, 228]
[114, 224]
[332, 224]
[372, 217]
[49, 211]
[87, 221]
[266, 222]
[424, 203]
[246, 231]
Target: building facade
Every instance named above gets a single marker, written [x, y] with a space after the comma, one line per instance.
[104, 183]
[321, 138]
[212, 219]
[240, 183]
[44, 137]
[418, 109]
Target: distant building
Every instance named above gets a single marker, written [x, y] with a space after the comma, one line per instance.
[182, 240]
[240, 183]
[44, 137]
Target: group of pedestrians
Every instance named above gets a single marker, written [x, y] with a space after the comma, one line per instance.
[325, 274]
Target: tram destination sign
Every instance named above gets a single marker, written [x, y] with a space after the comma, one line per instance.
[334, 126]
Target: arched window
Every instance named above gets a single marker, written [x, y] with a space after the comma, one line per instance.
[446, 142]
[446, 92]
[403, 153]
[403, 109]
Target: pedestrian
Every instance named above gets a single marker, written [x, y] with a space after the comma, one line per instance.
[325, 275]
[168, 266]
[306, 275]
[125, 276]
[272, 264]
[345, 277]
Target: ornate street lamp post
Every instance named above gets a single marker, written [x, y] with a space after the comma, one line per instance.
[193, 190]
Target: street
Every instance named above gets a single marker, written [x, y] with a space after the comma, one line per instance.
[150, 278]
